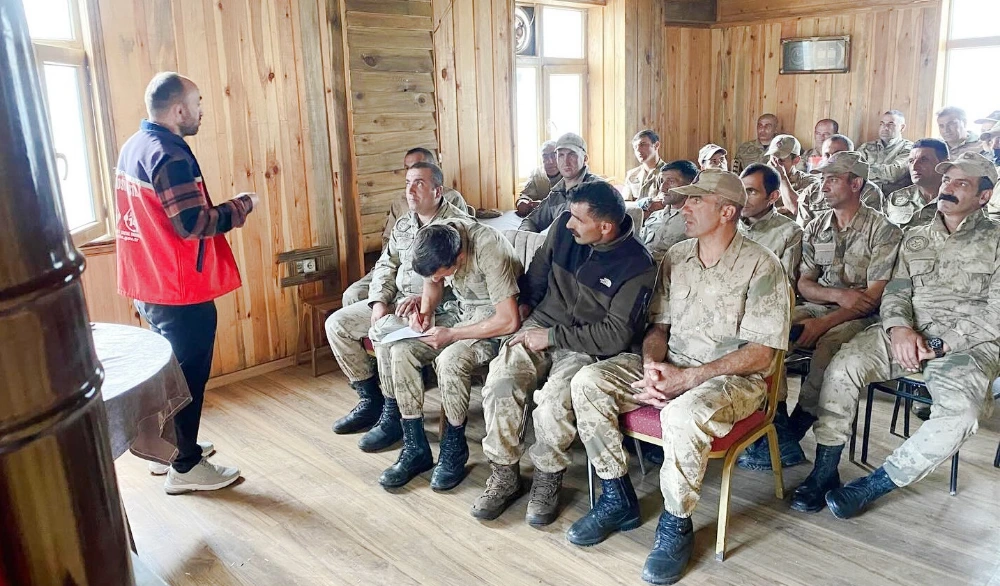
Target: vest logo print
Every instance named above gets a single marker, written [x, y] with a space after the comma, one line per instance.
[606, 282]
[129, 228]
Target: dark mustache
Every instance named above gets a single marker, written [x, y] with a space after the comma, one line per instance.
[947, 197]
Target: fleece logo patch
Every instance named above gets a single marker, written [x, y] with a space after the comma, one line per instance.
[606, 282]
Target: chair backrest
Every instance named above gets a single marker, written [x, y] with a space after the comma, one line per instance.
[526, 244]
[307, 265]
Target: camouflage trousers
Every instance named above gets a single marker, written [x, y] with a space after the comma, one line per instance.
[826, 347]
[959, 384]
[357, 291]
[689, 424]
[400, 366]
[344, 331]
[514, 373]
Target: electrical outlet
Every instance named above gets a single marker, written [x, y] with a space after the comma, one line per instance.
[309, 265]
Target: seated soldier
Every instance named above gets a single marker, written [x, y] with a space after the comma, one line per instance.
[643, 182]
[812, 201]
[712, 156]
[761, 222]
[848, 253]
[916, 204]
[665, 226]
[784, 154]
[540, 181]
[719, 312]
[952, 123]
[358, 290]
[394, 294]
[886, 157]
[571, 158]
[755, 151]
[940, 316]
[584, 296]
[483, 270]
[823, 130]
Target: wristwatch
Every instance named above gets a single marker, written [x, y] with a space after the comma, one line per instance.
[937, 345]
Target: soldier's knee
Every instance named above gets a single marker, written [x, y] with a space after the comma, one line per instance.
[677, 415]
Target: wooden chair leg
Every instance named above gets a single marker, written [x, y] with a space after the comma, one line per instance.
[724, 493]
[779, 480]
[298, 333]
[312, 341]
[591, 483]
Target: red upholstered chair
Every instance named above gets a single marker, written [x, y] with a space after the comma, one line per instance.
[643, 424]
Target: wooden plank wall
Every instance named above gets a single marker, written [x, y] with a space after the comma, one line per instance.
[392, 99]
[268, 127]
[893, 65]
[474, 74]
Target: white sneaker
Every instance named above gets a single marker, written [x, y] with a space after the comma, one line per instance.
[204, 476]
[157, 469]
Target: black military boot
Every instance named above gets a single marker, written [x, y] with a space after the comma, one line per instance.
[671, 550]
[758, 455]
[386, 432]
[617, 509]
[415, 457]
[849, 500]
[809, 497]
[799, 422]
[366, 412]
[454, 454]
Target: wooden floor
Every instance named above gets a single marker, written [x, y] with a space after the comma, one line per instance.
[310, 512]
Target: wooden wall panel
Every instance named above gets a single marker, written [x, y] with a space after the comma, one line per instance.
[893, 65]
[474, 74]
[260, 69]
[757, 11]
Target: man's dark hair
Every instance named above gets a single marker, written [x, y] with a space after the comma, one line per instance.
[425, 153]
[435, 247]
[898, 114]
[164, 90]
[952, 111]
[836, 125]
[437, 177]
[985, 183]
[604, 200]
[648, 133]
[940, 147]
[687, 169]
[772, 181]
[842, 139]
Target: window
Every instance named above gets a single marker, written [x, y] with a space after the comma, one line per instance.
[973, 51]
[64, 68]
[551, 77]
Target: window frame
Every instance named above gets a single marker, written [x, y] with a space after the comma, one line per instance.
[546, 66]
[83, 53]
[952, 44]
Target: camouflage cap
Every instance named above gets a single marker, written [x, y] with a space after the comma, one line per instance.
[993, 117]
[784, 145]
[991, 133]
[718, 182]
[572, 141]
[974, 164]
[845, 162]
[708, 151]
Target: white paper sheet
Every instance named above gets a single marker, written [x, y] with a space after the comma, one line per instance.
[401, 334]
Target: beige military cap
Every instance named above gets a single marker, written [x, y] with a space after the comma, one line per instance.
[993, 117]
[716, 181]
[784, 145]
[990, 134]
[972, 163]
[573, 142]
[845, 162]
[708, 151]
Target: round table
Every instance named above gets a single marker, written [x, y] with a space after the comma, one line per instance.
[143, 389]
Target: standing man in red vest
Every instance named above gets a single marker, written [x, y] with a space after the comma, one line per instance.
[173, 258]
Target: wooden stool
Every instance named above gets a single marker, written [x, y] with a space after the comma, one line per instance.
[311, 309]
[310, 265]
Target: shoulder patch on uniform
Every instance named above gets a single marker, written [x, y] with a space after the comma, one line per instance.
[916, 243]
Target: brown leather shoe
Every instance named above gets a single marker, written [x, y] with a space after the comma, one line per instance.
[502, 488]
[543, 504]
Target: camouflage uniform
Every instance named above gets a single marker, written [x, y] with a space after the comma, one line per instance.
[853, 257]
[711, 311]
[488, 277]
[812, 201]
[642, 182]
[392, 281]
[357, 291]
[400, 209]
[810, 160]
[887, 163]
[781, 236]
[906, 207]
[944, 286]
[749, 152]
[661, 230]
[538, 186]
[554, 204]
[972, 144]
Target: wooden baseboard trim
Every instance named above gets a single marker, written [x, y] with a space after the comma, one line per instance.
[286, 362]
